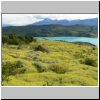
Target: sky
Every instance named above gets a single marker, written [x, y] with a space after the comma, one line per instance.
[25, 19]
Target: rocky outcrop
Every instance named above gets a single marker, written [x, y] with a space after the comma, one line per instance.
[41, 48]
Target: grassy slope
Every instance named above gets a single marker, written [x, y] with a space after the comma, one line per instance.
[66, 55]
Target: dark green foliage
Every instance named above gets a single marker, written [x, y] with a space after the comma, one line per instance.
[41, 67]
[17, 39]
[90, 61]
[22, 70]
[9, 68]
[94, 48]
[58, 68]
[53, 30]
[28, 39]
[5, 39]
[19, 64]
[5, 72]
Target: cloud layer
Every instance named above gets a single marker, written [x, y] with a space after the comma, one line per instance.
[25, 19]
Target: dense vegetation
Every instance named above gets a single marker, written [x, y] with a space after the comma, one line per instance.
[52, 30]
[65, 64]
[17, 39]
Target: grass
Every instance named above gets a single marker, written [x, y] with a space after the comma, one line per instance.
[66, 64]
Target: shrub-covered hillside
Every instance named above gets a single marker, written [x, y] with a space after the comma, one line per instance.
[49, 63]
[53, 30]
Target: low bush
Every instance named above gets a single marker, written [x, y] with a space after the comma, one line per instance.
[19, 64]
[90, 61]
[9, 68]
[41, 67]
[59, 68]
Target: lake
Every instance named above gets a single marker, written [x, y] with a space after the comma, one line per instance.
[93, 41]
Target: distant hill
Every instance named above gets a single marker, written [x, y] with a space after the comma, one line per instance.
[48, 21]
[6, 25]
[52, 30]
[86, 22]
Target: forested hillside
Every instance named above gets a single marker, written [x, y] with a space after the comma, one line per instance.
[52, 30]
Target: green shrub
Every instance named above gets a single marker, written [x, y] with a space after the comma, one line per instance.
[17, 39]
[5, 39]
[19, 64]
[41, 67]
[22, 70]
[59, 68]
[93, 48]
[90, 61]
[9, 68]
[5, 72]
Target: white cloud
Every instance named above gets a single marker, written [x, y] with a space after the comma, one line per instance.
[18, 19]
[68, 16]
[25, 19]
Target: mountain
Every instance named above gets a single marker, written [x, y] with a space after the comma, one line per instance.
[6, 25]
[87, 22]
[48, 21]
[52, 30]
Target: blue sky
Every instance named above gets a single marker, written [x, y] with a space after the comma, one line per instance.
[25, 19]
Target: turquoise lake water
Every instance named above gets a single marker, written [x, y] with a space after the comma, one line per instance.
[93, 41]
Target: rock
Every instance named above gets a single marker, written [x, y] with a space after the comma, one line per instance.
[41, 48]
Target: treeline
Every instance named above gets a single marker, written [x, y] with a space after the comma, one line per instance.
[53, 30]
[17, 39]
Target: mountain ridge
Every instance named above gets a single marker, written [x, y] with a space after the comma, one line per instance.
[89, 22]
[48, 21]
